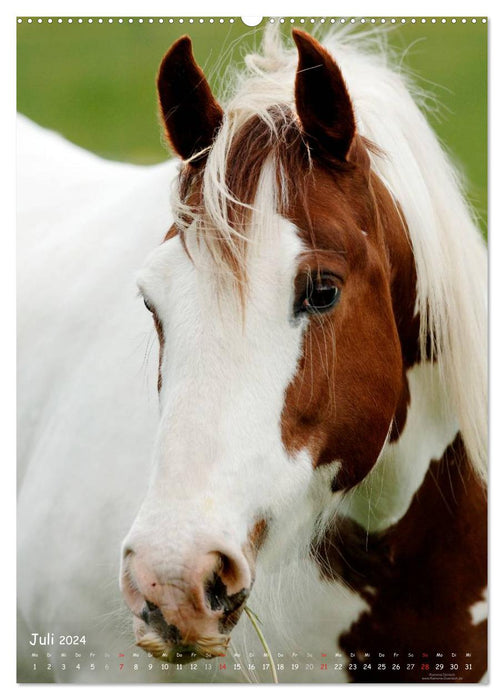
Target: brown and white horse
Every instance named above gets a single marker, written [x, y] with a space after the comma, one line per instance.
[320, 307]
[320, 303]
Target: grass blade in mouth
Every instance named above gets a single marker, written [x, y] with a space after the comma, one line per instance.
[255, 624]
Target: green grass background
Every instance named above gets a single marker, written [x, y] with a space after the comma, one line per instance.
[95, 83]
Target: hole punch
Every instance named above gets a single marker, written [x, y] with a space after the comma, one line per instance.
[252, 21]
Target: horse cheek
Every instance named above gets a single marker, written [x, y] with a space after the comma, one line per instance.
[369, 389]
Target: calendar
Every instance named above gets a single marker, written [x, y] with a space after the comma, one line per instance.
[252, 374]
[288, 667]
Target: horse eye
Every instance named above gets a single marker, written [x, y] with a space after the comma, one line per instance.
[148, 305]
[320, 295]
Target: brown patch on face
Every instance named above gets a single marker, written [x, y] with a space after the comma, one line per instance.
[420, 577]
[350, 384]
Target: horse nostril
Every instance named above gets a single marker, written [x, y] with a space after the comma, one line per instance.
[228, 586]
[218, 597]
[147, 612]
[215, 592]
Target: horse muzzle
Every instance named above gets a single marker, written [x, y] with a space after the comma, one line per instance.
[187, 612]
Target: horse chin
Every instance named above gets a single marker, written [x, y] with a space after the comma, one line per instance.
[206, 648]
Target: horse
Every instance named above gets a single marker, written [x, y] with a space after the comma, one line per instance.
[317, 284]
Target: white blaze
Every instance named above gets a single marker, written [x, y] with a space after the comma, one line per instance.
[219, 459]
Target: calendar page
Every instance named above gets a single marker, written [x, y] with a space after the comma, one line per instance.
[252, 365]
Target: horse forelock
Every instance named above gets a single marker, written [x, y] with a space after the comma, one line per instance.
[220, 201]
[257, 166]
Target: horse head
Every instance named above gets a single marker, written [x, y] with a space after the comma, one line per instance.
[283, 297]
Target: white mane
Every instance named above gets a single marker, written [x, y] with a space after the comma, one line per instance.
[449, 252]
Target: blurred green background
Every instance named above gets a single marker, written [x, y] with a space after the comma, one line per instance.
[95, 82]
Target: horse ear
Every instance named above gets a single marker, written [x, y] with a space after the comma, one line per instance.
[190, 113]
[322, 101]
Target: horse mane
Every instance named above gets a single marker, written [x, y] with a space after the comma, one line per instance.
[449, 252]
